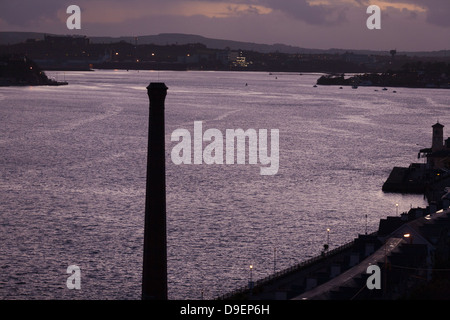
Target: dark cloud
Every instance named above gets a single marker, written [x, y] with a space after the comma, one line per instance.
[335, 23]
[437, 11]
[312, 14]
[28, 13]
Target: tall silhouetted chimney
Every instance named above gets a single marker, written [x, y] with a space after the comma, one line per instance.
[154, 276]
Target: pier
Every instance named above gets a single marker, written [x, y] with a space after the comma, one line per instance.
[411, 249]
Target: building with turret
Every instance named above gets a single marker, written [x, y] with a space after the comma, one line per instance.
[430, 178]
[438, 156]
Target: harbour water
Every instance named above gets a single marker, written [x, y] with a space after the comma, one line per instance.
[73, 166]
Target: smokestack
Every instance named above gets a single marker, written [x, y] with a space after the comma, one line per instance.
[154, 276]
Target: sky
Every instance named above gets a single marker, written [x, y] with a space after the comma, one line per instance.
[406, 25]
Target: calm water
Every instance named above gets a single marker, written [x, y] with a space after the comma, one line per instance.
[73, 165]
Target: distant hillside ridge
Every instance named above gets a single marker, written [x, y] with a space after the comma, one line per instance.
[180, 39]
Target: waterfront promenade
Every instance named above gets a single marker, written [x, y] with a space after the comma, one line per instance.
[405, 247]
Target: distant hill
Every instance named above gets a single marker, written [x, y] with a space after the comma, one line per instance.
[179, 38]
[18, 37]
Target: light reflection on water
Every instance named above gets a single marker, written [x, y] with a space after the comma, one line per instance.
[73, 178]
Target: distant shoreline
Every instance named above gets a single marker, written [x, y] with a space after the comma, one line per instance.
[19, 71]
[51, 84]
[424, 76]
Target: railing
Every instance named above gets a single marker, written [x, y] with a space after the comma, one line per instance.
[292, 269]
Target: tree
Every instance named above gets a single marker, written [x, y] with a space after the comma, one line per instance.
[393, 53]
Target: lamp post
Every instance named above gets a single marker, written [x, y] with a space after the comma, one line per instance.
[366, 223]
[327, 244]
[250, 283]
[396, 208]
[408, 236]
[328, 237]
[274, 259]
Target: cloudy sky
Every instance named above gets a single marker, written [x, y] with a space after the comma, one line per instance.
[406, 25]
